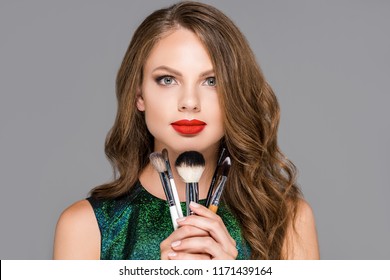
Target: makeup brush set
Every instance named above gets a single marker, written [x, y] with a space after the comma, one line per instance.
[190, 166]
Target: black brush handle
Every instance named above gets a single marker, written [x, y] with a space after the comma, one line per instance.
[167, 189]
[192, 194]
[214, 179]
[218, 192]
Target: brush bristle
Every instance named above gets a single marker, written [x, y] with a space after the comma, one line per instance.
[158, 162]
[190, 166]
[225, 166]
[165, 154]
[190, 158]
[167, 163]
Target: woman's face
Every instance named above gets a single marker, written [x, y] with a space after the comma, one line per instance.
[179, 95]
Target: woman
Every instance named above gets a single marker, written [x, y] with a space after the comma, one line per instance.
[190, 62]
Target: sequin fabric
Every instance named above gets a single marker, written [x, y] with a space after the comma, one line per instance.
[133, 226]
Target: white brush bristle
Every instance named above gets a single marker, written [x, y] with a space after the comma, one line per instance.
[190, 166]
[158, 162]
[190, 174]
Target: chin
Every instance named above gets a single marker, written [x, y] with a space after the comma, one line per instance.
[178, 145]
[199, 147]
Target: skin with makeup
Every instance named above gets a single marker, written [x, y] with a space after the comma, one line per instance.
[179, 77]
[180, 102]
[179, 99]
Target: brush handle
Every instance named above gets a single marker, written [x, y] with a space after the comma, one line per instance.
[217, 195]
[214, 179]
[213, 208]
[171, 202]
[173, 187]
[167, 189]
[211, 188]
[192, 194]
[176, 197]
[174, 216]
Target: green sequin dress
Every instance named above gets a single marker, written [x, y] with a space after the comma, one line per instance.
[133, 226]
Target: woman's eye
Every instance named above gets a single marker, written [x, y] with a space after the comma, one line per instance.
[210, 81]
[165, 80]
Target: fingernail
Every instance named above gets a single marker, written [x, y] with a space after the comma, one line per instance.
[172, 254]
[176, 243]
[180, 219]
[194, 204]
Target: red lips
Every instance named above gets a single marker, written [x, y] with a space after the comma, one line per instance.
[189, 126]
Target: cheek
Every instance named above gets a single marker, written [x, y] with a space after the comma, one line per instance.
[156, 116]
[216, 118]
[220, 130]
[215, 109]
[153, 120]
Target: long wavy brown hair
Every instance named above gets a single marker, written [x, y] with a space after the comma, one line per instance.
[261, 190]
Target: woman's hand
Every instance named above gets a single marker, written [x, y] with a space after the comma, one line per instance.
[200, 236]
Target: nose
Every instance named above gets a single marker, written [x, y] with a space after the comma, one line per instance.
[189, 100]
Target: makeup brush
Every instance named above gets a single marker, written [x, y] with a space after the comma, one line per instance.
[225, 167]
[158, 163]
[214, 179]
[190, 166]
[172, 181]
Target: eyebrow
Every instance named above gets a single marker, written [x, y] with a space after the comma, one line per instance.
[177, 73]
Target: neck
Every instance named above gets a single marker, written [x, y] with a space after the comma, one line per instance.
[211, 158]
[151, 181]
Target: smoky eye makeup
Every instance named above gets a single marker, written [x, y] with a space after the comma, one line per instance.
[168, 80]
[165, 80]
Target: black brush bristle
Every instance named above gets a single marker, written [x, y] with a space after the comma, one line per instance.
[190, 166]
[190, 159]
[225, 166]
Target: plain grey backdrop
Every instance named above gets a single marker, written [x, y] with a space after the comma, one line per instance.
[327, 61]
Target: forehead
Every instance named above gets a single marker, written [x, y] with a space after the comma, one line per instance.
[179, 48]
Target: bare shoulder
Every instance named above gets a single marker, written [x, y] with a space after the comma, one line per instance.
[77, 233]
[301, 240]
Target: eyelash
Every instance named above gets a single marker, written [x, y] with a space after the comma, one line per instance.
[214, 80]
[159, 80]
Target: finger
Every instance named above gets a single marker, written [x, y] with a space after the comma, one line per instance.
[200, 210]
[188, 231]
[185, 231]
[212, 223]
[182, 232]
[203, 245]
[187, 256]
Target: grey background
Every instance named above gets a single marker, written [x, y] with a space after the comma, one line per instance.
[328, 62]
